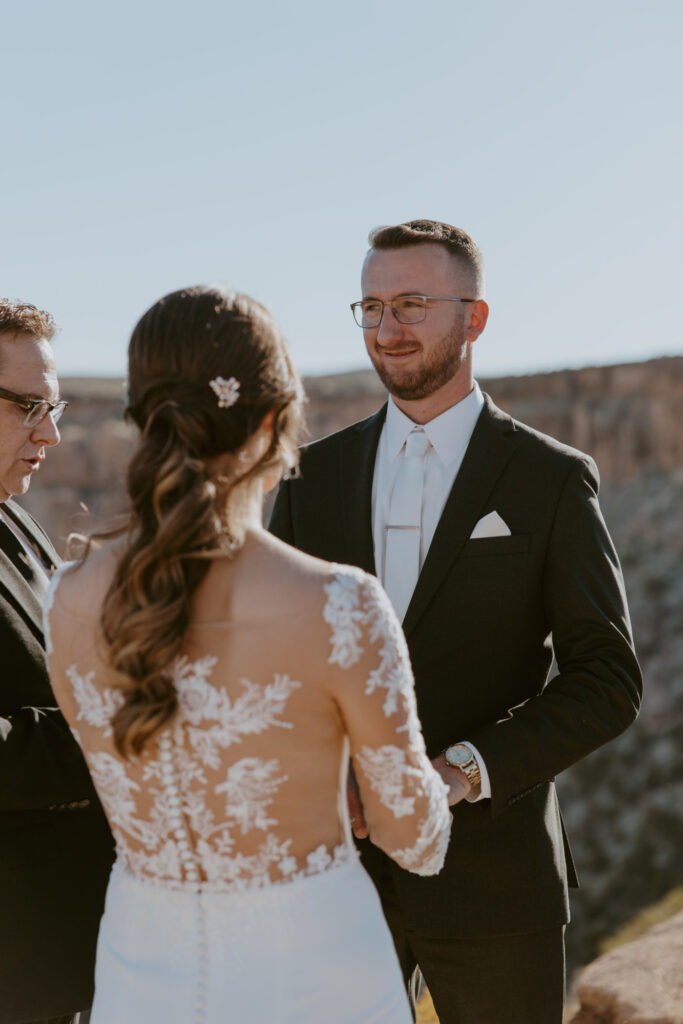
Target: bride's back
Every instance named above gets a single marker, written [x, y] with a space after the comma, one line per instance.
[283, 657]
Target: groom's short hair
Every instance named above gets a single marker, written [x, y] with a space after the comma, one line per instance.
[420, 232]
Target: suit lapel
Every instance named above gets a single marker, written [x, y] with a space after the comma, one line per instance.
[26, 597]
[357, 468]
[19, 591]
[34, 534]
[489, 450]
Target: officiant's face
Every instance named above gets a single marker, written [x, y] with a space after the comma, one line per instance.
[27, 368]
[415, 360]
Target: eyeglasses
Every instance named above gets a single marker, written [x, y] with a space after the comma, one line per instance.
[36, 409]
[408, 309]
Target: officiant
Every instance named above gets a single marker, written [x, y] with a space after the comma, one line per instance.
[55, 845]
[489, 540]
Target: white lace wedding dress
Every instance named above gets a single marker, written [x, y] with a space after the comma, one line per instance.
[237, 895]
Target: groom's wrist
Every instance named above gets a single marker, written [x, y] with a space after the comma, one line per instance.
[481, 791]
[461, 757]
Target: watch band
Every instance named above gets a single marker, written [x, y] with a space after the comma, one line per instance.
[461, 757]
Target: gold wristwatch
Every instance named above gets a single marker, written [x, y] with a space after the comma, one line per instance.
[460, 756]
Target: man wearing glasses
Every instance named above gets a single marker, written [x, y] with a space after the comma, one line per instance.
[489, 541]
[55, 845]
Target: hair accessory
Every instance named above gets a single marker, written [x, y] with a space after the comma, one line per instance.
[228, 391]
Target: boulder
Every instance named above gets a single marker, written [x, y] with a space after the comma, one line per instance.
[639, 983]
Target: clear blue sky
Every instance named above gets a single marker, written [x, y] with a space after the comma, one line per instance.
[150, 145]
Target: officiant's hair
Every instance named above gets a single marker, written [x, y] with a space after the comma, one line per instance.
[23, 320]
[455, 241]
[206, 367]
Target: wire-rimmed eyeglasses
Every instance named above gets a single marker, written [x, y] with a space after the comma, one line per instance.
[408, 309]
[36, 409]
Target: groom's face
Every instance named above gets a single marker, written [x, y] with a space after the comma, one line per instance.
[415, 360]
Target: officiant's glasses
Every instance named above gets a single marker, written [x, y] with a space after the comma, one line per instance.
[408, 309]
[36, 409]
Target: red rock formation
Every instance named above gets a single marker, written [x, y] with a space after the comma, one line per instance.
[627, 417]
[640, 983]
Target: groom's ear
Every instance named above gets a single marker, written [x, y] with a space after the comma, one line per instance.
[475, 319]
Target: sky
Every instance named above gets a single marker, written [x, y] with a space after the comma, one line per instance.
[146, 146]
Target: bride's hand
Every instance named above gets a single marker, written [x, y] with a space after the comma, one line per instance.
[458, 784]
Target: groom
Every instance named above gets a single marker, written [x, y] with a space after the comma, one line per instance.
[490, 542]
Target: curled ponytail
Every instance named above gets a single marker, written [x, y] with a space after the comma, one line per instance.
[182, 515]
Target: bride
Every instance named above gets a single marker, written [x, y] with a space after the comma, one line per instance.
[217, 680]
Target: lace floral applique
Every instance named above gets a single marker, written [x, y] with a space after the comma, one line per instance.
[344, 614]
[96, 707]
[208, 721]
[320, 860]
[249, 788]
[389, 774]
[116, 790]
[256, 710]
[356, 602]
[426, 855]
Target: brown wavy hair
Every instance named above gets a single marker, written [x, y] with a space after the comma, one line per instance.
[183, 513]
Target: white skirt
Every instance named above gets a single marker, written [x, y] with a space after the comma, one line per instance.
[313, 951]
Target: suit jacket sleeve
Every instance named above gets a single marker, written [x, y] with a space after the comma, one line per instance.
[596, 693]
[41, 764]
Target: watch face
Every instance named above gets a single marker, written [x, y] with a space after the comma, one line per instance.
[459, 754]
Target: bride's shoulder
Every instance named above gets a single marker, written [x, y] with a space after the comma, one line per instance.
[81, 584]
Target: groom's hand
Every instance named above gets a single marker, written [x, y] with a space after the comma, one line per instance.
[356, 813]
[458, 783]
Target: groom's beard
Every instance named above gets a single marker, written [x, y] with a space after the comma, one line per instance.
[437, 367]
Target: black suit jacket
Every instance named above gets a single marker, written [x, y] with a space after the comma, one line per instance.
[482, 625]
[54, 856]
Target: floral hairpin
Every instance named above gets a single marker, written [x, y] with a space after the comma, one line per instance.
[228, 391]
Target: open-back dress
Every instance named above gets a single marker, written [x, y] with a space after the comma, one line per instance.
[237, 894]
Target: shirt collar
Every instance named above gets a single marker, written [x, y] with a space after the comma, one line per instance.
[448, 433]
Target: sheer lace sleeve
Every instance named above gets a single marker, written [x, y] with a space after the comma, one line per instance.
[405, 800]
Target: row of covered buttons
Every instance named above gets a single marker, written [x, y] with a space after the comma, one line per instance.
[175, 816]
[187, 857]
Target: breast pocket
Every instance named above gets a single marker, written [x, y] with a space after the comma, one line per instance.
[512, 545]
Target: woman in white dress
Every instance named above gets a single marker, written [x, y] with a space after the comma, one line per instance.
[217, 680]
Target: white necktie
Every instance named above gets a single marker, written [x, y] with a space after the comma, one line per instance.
[404, 529]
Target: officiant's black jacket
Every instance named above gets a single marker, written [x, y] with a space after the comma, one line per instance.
[55, 845]
[484, 620]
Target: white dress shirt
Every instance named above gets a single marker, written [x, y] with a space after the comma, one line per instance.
[449, 434]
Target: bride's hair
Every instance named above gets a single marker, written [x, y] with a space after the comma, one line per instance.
[205, 367]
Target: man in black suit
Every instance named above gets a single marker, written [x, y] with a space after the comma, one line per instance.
[506, 561]
[55, 845]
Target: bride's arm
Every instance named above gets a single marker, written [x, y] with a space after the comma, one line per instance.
[404, 799]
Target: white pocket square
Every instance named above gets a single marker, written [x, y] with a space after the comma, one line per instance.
[490, 526]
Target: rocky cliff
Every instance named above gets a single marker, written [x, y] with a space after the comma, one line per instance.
[624, 804]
